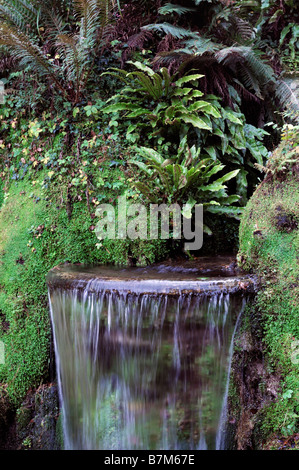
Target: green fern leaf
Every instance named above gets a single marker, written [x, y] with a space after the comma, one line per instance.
[169, 8]
[188, 78]
[167, 28]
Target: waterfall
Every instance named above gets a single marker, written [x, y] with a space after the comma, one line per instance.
[141, 371]
[221, 433]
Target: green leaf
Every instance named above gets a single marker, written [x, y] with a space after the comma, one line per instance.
[212, 152]
[188, 78]
[230, 211]
[215, 169]
[224, 143]
[213, 187]
[182, 91]
[287, 394]
[228, 176]
[114, 108]
[230, 115]
[142, 166]
[171, 8]
[145, 190]
[138, 112]
[143, 67]
[207, 230]
[131, 128]
[167, 28]
[170, 111]
[284, 33]
[195, 121]
[151, 154]
[75, 111]
[206, 107]
[196, 94]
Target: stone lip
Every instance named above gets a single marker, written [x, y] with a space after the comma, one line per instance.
[166, 278]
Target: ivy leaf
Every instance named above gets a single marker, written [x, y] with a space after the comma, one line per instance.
[75, 111]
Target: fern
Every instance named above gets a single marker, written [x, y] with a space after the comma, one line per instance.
[164, 108]
[20, 20]
[23, 49]
[189, 179]
[19, 13]
[170, 8]
[227, 53]
[200, 45]
[167, 28]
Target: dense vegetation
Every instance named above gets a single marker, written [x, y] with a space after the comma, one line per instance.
[269, 247]
[161, 101]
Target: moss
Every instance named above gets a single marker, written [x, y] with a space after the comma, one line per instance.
[269, 248]
[36, 235]
[1, 193]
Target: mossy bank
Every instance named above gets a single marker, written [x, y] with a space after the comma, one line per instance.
[37, 233]
[264, 395]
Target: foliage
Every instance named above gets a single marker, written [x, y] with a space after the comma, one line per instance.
[284, 159]
[225, 41]
[185, 178]
[168, 108]
[290, 47]
[269, 247]
[164, 100]
[41, 39]
[36, 235]
[64, 150]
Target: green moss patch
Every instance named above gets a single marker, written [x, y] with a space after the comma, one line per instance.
[36, 235]
[269, 242]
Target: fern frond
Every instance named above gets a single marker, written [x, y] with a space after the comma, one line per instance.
[88, 13]
[67, 46]
[22, 48]
[288, 99]
[165, 59]
[167, 28]
[197, 2]
[137, 40]
[259, 72]
[20, 13]
[54, 22]
[28, 54]
[200, 45]
[170, 8]
[242, 28]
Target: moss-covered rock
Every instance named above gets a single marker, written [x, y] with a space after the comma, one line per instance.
[38, 423]
[269, 247]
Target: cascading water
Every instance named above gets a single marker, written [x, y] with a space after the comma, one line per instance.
[142, 371]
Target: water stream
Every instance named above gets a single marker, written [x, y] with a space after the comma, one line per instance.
[142, 370]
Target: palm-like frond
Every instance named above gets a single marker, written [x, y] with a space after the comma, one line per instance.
[72, 66]
[20, 13]
[242, 28]
[286, 95]
[255, 73]
[175, 31]
[21, 19]
[170, 8]
[22, 48]
[87, 11]
[200, 45]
